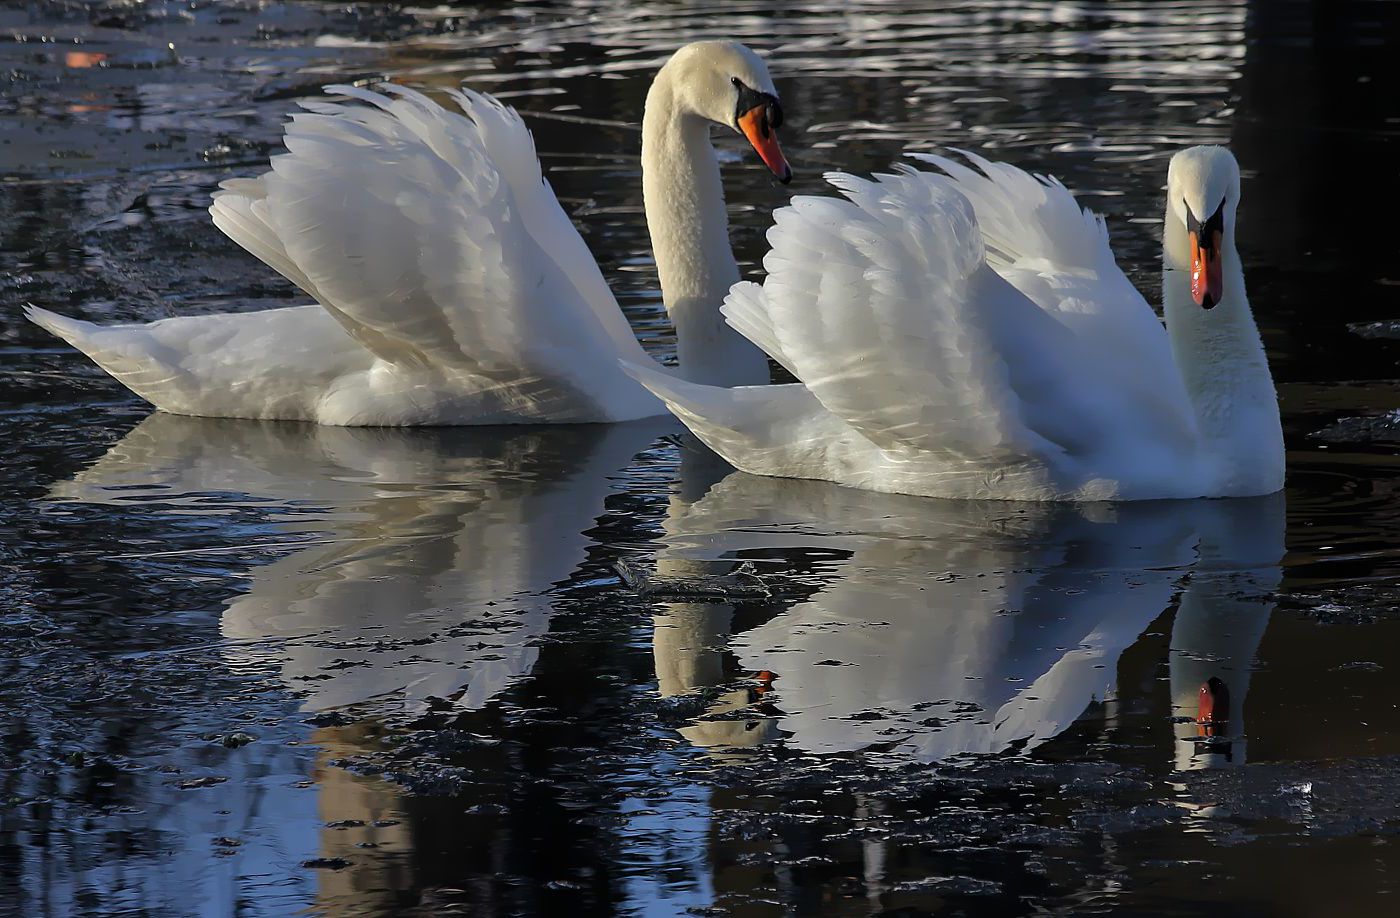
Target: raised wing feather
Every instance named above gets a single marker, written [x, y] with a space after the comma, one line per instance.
[1041, 241]
[240, 212]
[884, 307]
[401, 219]
[1026, 218]
[512, 150]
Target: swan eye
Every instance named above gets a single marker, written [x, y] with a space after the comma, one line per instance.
[750, 99]
[1215, 223]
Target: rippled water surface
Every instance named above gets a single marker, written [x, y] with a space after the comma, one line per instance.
[265, 669]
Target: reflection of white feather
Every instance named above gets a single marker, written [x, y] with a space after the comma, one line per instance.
[443, 544]
[954, 627]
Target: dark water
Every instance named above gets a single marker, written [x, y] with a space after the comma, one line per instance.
[269, 669]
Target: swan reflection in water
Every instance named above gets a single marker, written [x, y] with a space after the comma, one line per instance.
[955, 628]
[443, 543]
[416, 568]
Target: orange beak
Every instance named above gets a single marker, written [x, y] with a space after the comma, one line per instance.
[757, 127]
[1205, 269]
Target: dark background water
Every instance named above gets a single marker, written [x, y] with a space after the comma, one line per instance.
[257, 669]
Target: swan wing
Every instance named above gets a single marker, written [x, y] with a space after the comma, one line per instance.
[1040, 240]
[430, 236]
[512, 150]
[882, 304]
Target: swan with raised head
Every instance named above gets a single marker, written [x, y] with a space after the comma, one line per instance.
[968, 334]
[451, 287]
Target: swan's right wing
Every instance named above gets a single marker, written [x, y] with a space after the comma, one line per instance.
[429, 235]
[883, 305]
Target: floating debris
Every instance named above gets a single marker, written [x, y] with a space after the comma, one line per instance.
[743, 584]
[1385, 329]
[326, 863]
[1384, 428]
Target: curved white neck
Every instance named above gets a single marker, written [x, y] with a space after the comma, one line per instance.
[684, 202]
[1224, 368]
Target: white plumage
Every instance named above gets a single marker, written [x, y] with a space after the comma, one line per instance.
[451, 286]
[968, 334]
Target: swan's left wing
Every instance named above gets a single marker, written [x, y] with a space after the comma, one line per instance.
[511, 149]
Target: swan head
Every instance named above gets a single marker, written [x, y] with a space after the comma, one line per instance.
[1203, 191]
[727, 84]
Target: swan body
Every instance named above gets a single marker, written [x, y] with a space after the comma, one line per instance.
[451, 288]
[968, 334]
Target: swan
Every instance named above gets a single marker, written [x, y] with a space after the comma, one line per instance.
[451, 287]
[968, 334]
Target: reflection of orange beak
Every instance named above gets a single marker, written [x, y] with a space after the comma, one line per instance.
[755, 125]
[1213, 707]
[83, 59]
[1205, 269]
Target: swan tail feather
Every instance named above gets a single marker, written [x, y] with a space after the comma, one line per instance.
[777, 430]
[271, 364]
[126, 352]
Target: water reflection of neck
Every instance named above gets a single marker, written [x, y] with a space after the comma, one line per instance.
[1220, 621]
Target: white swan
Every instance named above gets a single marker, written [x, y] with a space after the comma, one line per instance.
[969, 335]
[452, 288]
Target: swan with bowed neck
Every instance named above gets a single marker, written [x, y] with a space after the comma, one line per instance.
[968, 334]
[451, 287]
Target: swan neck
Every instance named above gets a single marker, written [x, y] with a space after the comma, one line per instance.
[1224, 368]
[684, 201]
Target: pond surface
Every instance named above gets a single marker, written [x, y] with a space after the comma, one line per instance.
[264, 669]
